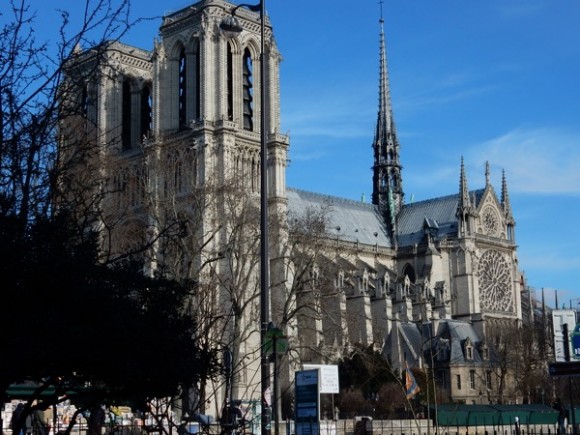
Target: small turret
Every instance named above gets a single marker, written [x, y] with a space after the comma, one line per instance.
[507, 209]
[487, 173]
[464, 205]
[505, 198]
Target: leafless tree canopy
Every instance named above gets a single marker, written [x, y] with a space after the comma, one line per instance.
[31, 79]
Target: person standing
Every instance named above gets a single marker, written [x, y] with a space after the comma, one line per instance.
[96, 420]
[40, 422]
[15, 422]
[558, 406]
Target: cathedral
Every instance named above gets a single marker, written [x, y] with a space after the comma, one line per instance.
[170, 143]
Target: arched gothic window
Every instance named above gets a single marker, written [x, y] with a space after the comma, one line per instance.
[182, 88]
[393, 179]
[248, 91]
[410, 272]
[197, 81]
[126, 135]
[85, 101]
[230, 84]
[146, 112]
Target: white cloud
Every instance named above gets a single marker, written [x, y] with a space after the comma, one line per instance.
[515, 10]
[439, 97]
[542, 160]
[551, 262]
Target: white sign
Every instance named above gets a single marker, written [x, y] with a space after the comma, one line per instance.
[328, 377]
[559, 318]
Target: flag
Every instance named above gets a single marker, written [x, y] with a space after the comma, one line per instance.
[411, 387]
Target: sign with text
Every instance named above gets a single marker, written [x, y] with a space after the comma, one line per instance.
[560, 318]
[307, 402]
[328, 377]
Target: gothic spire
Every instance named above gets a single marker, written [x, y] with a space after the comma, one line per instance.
[387, 181]
[463, 189]
[507, 210]
[505, 198]
[464, 203]
[487, 173]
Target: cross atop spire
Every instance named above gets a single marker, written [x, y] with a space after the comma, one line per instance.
[387, 181]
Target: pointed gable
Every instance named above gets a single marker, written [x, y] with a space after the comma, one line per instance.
[441, 210]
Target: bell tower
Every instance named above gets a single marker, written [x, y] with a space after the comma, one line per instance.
[207, 85]
[387, 180]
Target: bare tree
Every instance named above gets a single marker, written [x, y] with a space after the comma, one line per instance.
[44, 168]
[31, 78]
[516, 366]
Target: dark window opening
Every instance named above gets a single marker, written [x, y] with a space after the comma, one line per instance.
[230, 90]
[248, 92]
[182, 89]
[393, 180]
[146, 112]
[383, 180]
[126, 116]
[85, 101]
[410, 272]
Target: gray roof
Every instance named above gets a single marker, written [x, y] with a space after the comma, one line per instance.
[440, 212]
[447, 342]
[358, 221]
[350, 220]
[458, 331]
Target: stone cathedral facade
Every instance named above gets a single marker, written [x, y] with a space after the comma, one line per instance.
[172, 136]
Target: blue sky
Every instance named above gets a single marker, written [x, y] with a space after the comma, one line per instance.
[494, 80]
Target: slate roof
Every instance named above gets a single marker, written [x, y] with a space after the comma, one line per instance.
[358, 221]
[450, 337]
[458, 332]
[436, 210]
[362, 222]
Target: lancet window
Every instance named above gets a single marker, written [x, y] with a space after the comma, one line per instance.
[248, 91]
[197, 81]
[146, 112]
[230, 84]
[126, 136]
[182, 88]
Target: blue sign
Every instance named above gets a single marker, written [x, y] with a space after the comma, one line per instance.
[575, 340]
[307, 398]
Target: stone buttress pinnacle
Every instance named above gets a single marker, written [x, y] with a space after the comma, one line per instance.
[464, 201]
[505, 198]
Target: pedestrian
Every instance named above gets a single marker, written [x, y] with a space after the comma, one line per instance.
[15, 421]
[517, 425]
[558, 406]
[232, 418]
[96, 420]
[40, 422]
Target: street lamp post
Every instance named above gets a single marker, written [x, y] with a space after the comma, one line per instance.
[234, 27]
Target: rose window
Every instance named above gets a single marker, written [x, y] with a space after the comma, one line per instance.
[495, 282]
